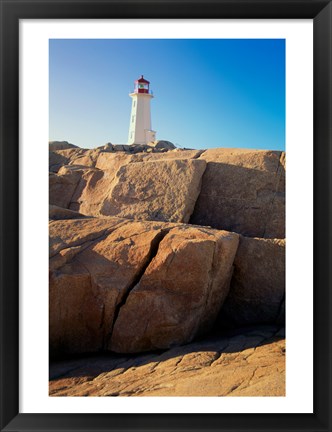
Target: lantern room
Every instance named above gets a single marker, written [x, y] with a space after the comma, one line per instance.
[142, 85]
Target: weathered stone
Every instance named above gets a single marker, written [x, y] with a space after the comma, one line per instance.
[65, 234]
[72, 170]
[95, 264]
[92, 186]
[162, 145]
[90, 277]
[133, 187]
[60, 145]
[108, 147]
[112, 161]
[138, 148]
[180, 293]
[251, 363]
[62, 188]
[88, 158]
[91, 191]
[71, 154]
[242, 191]
[173, 154]
[56, 161]
[156, 190]
[121, 147]
[275, 226]
[257, 290]
[58, 213]
[92, 195]
[72, 189]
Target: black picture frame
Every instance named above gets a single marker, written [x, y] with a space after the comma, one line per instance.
[14, 10]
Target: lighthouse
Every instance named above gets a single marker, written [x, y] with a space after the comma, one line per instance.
[140, 131]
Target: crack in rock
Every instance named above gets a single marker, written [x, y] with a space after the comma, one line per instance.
[154, 247]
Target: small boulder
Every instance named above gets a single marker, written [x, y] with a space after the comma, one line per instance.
[162, 145]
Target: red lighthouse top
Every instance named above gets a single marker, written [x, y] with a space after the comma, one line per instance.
[142, 85]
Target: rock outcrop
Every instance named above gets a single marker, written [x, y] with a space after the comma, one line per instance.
[162, 144]
[60, 213]
[257, 293]
[250, 362]
[56, 161]
[155, 190]
[59, 158]
[153, 248]
[62, 188]
[243, 191]
[239, 190]
[60, 145]
[165, 308]
[117, 284]
[138, 187]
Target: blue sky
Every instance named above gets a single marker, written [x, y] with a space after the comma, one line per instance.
[208, 92]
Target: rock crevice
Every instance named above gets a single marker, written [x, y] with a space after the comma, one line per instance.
[154, 246]
[151, 285]
[168, 245]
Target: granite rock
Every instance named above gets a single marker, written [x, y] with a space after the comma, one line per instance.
[243, 191]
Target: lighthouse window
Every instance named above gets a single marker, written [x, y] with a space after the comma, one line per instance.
[132, 118]
[134, 104]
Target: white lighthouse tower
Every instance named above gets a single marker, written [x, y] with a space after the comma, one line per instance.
[140, 119]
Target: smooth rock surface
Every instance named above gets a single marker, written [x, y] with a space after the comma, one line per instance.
[157, 190]
[257, 293]
[243, 191]
[250, 362]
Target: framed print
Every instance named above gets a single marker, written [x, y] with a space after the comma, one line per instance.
[169, 290]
